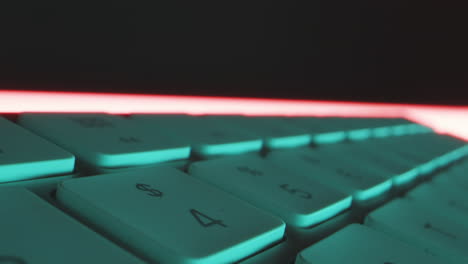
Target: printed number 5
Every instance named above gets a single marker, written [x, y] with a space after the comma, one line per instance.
[298, 192]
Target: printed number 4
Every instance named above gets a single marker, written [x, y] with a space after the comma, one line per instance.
[205, 220]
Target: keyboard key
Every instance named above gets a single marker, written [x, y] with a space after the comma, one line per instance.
[368, 154]
[331, 171]
[359, 244]
[433, 231]
[105, 140]
[427, 151]
[335, 129]
[208, 135]
[447, 201]
[24, 155]
[170, 217]
[323, 130]
[32, 231]
[275, 132]
[454, 179]
[297, 199]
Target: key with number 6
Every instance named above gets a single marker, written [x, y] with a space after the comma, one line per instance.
[170, 217]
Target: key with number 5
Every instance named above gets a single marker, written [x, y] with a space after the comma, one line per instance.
[297, 199]
[170, 217]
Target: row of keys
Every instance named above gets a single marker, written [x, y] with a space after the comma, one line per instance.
[106, 141]
[160, 214]
[427, 225]
[150, 210]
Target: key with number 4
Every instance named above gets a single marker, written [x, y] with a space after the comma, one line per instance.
[170, 217]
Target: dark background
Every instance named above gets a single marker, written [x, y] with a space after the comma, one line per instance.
[392, 51]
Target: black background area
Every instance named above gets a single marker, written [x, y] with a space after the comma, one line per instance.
[390, 51]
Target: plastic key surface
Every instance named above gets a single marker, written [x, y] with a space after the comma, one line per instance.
[297, 199]
[359, 244]
[208, 135]
[105, 140]
[434, 231]
[446, 201]
[275, 132]
[24, 155]
[329, 170]
[170, 217]
[33, 231]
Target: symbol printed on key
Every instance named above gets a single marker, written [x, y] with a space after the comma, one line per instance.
[150, 191]
[129, 140]
[250, 171]
[205, 220]
[459, 206]
[11, 260]
[310, 159]
[347, 174]
[91, 122]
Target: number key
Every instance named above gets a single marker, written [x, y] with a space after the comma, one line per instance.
[434, 231]
[106, 141]
[297, 199]
[180, 220]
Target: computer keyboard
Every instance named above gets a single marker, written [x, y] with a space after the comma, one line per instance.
[98, 188]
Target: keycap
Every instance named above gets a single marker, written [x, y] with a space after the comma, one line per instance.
[331, 171]
[275, 132]
[105, 140]
[170, 217]
[427, 151]
[33, 231]
[208, 135]
[454, 179]
[369, 154]
[433, 231]
[334, 129]
[297, 199]
[323, 129]
[446, 201]
[359, 244]
[24, 155]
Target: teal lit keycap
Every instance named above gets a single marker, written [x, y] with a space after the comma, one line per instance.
[33, 231]
[418, 149]
[360, 244]
[370, 154]
[323, 129]
[453, 180]
[170, 217]
[275, 132]
[24, 155]
[442, 199]
[105, 140]
[297, 199]
[331, 171]
[334, 129]
[433, 231]
[208, 135]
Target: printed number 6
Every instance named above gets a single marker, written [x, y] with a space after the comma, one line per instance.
[300, 193]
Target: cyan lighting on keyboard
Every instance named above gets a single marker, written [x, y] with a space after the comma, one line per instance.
[445, 119]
